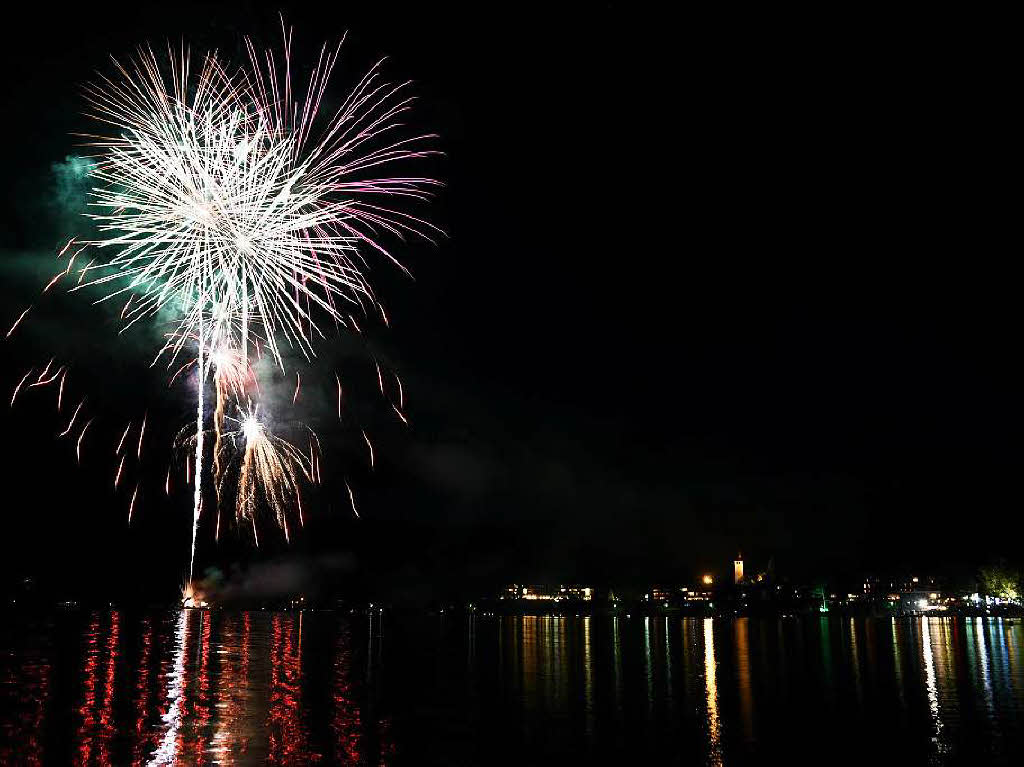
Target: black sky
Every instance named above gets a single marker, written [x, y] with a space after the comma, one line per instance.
[709, 284]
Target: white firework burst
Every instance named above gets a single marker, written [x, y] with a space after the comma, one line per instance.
[238, 203]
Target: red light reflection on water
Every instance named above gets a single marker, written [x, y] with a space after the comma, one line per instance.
[237, 729]
[246, 632]
[144, 740]
[360, 735]
[202, 688]
[287, 732]
[347, 721]
[107, 725]
[24, 695]
[91, 681]
[197, 706]
[97, 723]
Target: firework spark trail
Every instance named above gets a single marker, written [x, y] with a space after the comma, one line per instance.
[338, 381]
[71, 261]
[123, 437]
[179, 371]
[369, 445]
[218, 426]
[131, 506]
[18, 321]
[120, 468]
[231, 373]
[314, 458]
[82, 271]
[298, 384]
[313, 436]
[45, 370]
[142, 433]
[72, 421]
[53, 282]
[270, 470]
[352, 499]
[78, 445]
[60, 391]
[20, 384]
[49, 380]
[197, 502]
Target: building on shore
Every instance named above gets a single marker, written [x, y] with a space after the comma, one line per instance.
[678, 596]
[546, 593]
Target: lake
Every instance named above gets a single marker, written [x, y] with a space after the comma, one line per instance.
[218, 687]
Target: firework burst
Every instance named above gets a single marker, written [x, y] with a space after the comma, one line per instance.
[239, 204]
[269, 473]
[241, 210]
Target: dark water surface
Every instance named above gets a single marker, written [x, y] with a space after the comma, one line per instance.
[302, 688]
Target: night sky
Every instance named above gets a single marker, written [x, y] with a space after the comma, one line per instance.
[708, 285]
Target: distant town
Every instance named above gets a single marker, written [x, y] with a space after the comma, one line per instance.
[733, 590]
[996, 590]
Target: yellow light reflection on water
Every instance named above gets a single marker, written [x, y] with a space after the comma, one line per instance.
[711, 685]
[930, 683]
[588, 680]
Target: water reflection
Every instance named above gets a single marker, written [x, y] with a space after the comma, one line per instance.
[25, 684]
[346, 722]
[95, 712]
[855, 659]
[898, 662]
[667, 663]
[229, 734]
[978, 627]
[617, 665]
[143, 744]
[285, 727]
[714, 726]
[588, 678]
[281, 688]
[743, 676]
[932, 687]
[169, 745]
[648, 668]
[825, 625]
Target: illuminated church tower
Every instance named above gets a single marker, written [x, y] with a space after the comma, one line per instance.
[737, 569]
